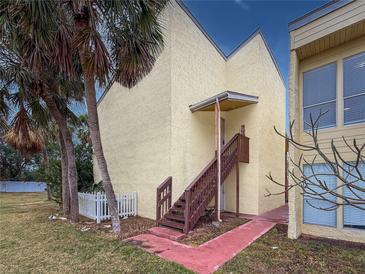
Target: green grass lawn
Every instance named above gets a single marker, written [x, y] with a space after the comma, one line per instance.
[30, 243]
[296, 256]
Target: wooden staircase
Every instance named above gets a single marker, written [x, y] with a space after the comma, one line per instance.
[186, 211]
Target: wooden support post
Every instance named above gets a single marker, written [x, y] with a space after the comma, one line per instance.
[237, 187]
[238, 172]
[218, 149]
[187, 212]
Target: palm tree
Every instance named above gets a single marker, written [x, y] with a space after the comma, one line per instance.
[116, 41]
[15, 75]
[32, 41]
[125, 53]
[24, 135]
[65, 185]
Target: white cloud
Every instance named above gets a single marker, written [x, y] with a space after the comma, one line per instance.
[242, 4]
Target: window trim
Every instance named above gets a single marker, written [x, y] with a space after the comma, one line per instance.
[356, 122]
[321, 103]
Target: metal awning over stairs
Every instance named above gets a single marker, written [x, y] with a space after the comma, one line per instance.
[228, 100]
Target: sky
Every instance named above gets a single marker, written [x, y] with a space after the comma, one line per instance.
[230, 22]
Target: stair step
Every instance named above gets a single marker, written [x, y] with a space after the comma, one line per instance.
[176, 217]
[177, 210]
[180, 204]
[172, 224]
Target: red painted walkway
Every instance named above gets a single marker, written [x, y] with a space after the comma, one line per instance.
[209, 256]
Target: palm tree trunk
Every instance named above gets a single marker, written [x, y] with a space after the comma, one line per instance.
[93, 121]
[71, 162]
[65, 185]
[46, 168]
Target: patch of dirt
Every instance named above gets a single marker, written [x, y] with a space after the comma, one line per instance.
[347, 244]
[131, 226]
[207, 229]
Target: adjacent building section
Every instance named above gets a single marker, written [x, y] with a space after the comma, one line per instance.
[327, 73]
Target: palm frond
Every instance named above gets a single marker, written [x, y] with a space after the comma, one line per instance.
[136, 40]
[97, 62]
[63, 50]
[39, 113]
[22, 136]
[3, 125]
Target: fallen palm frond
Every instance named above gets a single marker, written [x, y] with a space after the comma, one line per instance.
[22, 136]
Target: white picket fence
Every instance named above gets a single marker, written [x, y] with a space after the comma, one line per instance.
[95, 206]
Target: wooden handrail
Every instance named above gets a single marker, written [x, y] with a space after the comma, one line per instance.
[201, 173]
[163, 198]
[212, 161]
[230, 142]
[191, 205]
[201, 191]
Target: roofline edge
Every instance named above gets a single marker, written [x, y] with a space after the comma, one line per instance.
[200, 27]
[317, 13]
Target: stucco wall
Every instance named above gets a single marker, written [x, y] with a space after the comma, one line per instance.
[149, 133]
[272, 146]
[337, 54]
[197, 73]
[252, 71]
[135, 131]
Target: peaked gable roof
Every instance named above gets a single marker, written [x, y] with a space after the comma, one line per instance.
[223, 55]
[241, 45]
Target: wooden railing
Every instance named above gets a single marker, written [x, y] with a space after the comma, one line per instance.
[202, 190]
[163, 198]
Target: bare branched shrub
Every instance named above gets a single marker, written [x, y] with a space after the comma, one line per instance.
[350, 187]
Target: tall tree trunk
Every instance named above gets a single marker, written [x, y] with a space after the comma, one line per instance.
[93, 121]
[65, 185]
[46, 169]
[71, 162]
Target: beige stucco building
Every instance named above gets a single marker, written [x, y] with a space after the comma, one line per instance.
[327, 70]
[150, 132]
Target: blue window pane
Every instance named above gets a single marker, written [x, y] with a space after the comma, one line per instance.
[312, 214]
[324, 174]
[327, 120]
[319, 85]
[352, 216]
[355, 109]
[354, 75]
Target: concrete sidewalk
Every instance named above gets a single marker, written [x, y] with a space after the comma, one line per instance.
[209, 256]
